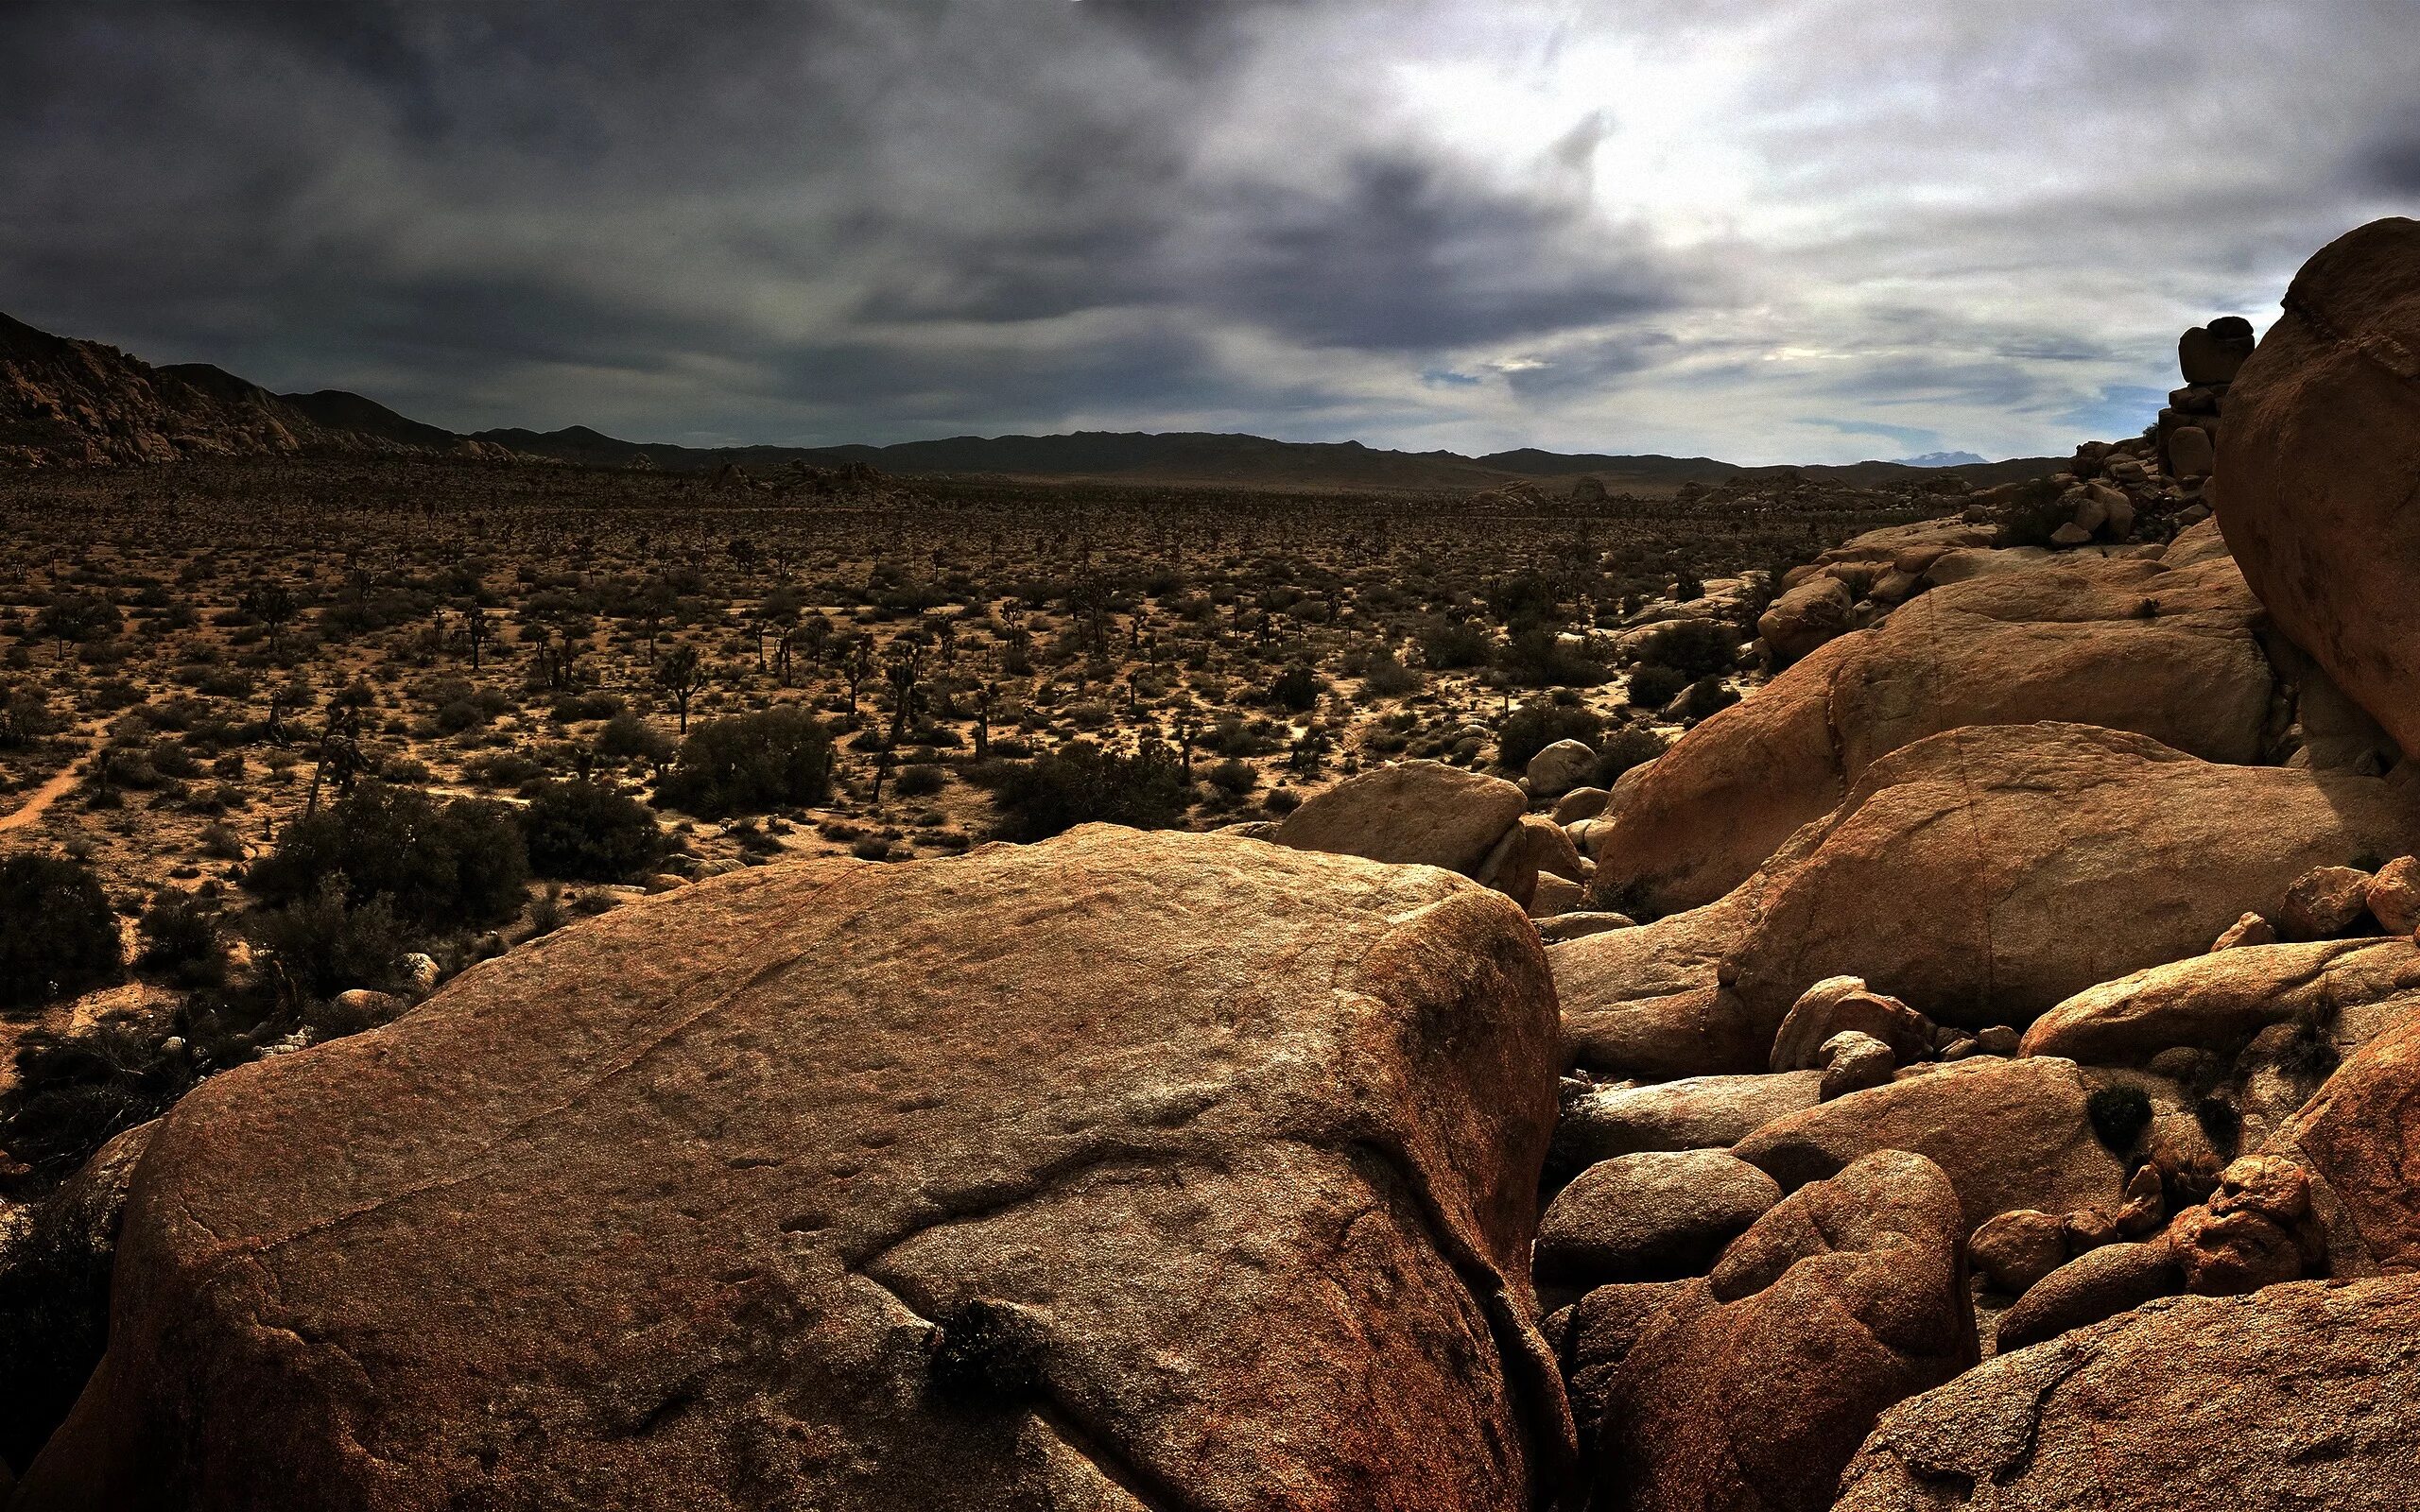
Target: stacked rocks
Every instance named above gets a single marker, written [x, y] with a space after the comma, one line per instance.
[2187, 432]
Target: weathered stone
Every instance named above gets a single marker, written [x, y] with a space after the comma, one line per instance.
[1410, 813]
[2014, 1249]
[1815, 611]
[2355, 1140]
[2394, 896]
[1699, 1113]
[1755, 1392]
[2316, 460]
[2296, 1396]
[1571, 925]
[1559, 768]
[2248, 930]
[2010, 1134]
[1853, 1062]
[1844, 1002]
[2215, 354]
[1652, 1216]
[2324, 903]
[2191, 452]
[2099, 1285]
[2072, 641]
[1579, 803]
[2218, 1002]
[1045, 1175]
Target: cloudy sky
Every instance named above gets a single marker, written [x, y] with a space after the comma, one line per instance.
[1785, 231]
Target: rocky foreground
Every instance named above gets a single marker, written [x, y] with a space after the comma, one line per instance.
[1982, 1070]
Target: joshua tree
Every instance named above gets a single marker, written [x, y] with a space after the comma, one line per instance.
[682, 675]
[270, 604]
[340, 755]
[902, 672]
[475, 630]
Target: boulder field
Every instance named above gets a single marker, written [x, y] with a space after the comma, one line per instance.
[2010, 1100]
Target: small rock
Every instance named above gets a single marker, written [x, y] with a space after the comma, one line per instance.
[1553, 895]
[1571, 926]
[1655, 1216]
[2070, 534]
[1579, 803]
[2227, 1254]
[2016, 1250]
[1999, 1039]
[2146, 1206]
[665, 882]
[1559, 768]
[1842, 1003]
[2394, 896]
[2250, 930]
[2190, 453]
[2089, 1228]
[1853, 1061]
[2087, 1288]
[421, 971]
[2325, 902]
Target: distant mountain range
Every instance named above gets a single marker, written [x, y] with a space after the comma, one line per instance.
[65, 402]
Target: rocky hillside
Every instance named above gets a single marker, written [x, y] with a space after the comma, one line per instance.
[65, 402]
[1977, 1070]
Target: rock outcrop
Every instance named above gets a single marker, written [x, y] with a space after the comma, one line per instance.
[1410, 813]
[1120, 1171]
[2299, 1396]
[1753, 1387]
[2360, 1141]
[2316, 465]
[2163, 651]
[2221, 1001]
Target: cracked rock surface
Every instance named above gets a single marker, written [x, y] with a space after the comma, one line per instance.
[2297, 1396]
[1121, 1170]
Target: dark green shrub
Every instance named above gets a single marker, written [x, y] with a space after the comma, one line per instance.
[584, 831]
[54, 1322]
[1624, 748]
[325, 944]
[1081, 783]
[1698, 647]
[57, 935]
[76, 1089]
[750, 764]
[437, 866]
[1535, 726]
[2119, 1114]
[1446, 644]
[1707, 695]
[1234, 777]
[1652, 685]
[919, 780]
[1296, 690]
[627, 736]
[182, 942]
[1537, 656]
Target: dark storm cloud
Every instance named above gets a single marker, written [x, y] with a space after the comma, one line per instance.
[1652, 224]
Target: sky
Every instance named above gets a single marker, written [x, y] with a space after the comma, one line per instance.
[1795, 230]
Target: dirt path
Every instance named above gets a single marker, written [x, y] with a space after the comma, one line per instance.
[42, 798]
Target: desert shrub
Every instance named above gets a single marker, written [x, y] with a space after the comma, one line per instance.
[1537, 656]
[1447, 644]
[2220, 1122]
[1698, 647]
[1388, 678]
[1296, 690]
[586, 831]
[437, 866]
[325, 943]
[1535, 726]
[182, 942]
[77, 1089]
[1623, 750]
[1707, 695]
[58, 934]
[750, 764]
[1653, 685]
[1232, 777]
[627, 736]
[54, 1322]
[2118, 1113]
[501, 768]
[574, 707]
[2309, 1055]
[921, 779]
[1081, 783]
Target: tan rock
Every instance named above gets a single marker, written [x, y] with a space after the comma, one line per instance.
[2218, 1002]
[2394, 896]
[1579, 803]
[2071, 643]
[2014, 1249]
[1029, 1177]
[1853, 1062]
[1652, 1216]
[2316, 459]
[1756, 1390]
[2250, 930]
[1699, 1113]
[2356, 1141]
[2191, 452]
[1820, 610]
[1410, 813]
[2296, 1396]
[1844, 1002]
[2097, 1286]
[2010, 1134]
[2324, 903]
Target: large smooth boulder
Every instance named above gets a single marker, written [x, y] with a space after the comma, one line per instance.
[1118, 1171]
[1653, 1217]
[2010, 1134]
[2167, 652]
[2360, 1141]
[1755, 1390]
[2315, 467]
[2220, 1001]
[2296, 1396]
[1805, 617]
[1646, 1002]
[2100, 1283]
[1422, 814]
[1985, 875]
